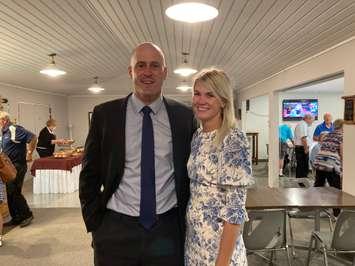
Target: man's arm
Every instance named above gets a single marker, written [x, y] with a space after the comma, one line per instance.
[305, 144]
[30, 148]
[90, 180]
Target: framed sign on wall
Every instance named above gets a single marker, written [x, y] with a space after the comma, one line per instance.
[349, 109]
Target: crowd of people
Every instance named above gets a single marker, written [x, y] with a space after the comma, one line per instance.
[325, 157]
[19, 144]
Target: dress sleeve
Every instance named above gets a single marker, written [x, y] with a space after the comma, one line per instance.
[235, 163]
[233, 210]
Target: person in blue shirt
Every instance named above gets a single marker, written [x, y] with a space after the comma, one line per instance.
[327, 125]
[285, 140]
[18, 144]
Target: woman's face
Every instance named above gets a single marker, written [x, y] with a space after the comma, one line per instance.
[207, 107]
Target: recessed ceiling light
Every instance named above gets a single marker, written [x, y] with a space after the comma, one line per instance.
[185, 71]
[191, 12]
[96, 88]
[52, 70]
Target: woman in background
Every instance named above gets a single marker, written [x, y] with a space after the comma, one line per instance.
[219, 170]
[47, 139]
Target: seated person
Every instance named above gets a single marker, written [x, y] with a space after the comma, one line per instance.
[47, 140]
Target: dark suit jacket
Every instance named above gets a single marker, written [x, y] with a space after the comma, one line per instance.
[104, 157]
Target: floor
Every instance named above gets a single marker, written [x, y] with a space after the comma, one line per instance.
[63, 202]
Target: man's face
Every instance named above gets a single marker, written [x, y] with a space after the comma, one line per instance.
[2, 122]
[328, 118]
[148, 73]
[309, 120]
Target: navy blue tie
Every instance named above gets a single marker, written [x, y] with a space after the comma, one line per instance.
[147, 214]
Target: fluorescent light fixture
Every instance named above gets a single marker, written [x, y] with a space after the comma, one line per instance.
[52, 70]
[185, 71]
[96, 88]
[191, 12]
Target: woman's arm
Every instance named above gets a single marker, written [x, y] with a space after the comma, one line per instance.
[229, 237]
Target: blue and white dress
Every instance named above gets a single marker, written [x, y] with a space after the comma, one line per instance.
[218, 182]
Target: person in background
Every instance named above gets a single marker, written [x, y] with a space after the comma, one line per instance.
[285, 142]
[316, 148]
[327, 125]
[328, 161]
[134, 199]
[220, 171]
[2, 199]
[47, 139]
[302, 142]
[18, 143]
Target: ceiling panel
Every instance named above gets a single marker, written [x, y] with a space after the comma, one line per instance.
[250, 39]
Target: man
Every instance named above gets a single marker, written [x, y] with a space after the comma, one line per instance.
[327, 126]
[18, 143]
[285, 141]
[133, 186]
[302, 145]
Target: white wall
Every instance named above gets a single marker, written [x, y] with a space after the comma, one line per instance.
[57, 102]
[335, 60]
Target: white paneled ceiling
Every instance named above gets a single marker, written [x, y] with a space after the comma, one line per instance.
[250, 39]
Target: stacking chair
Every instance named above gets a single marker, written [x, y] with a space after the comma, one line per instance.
[343, 240]
[266, 231]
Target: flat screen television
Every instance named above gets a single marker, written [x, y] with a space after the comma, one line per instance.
[295, 109]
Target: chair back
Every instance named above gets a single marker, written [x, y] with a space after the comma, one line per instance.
[344, 232]
[266, 229]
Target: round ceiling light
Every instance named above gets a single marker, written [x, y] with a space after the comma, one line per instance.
[185, 71]
[95, 87]
[191, 12]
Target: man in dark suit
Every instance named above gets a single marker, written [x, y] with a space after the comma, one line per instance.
[134, 186]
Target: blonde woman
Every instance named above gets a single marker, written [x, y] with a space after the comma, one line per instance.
[219, 171]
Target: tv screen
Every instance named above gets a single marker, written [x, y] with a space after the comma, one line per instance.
[295, 109]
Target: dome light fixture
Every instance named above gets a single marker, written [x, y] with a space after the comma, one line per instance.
[191, 12]
[52, 70]
[95, 87]
[184, 86]
[184, 70]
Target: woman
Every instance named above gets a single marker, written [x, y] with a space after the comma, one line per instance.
[2, 200]
[47, 139]
[328, 161]
[220, 171]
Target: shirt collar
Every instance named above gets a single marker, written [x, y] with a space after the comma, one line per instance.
[138, 104]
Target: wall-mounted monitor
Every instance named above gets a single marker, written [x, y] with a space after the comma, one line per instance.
[295, 109]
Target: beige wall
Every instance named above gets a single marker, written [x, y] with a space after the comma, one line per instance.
[338, 59]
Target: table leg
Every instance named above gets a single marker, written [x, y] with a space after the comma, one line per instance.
[317, 226]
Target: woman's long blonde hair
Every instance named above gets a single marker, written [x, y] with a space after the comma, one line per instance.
[217, 81]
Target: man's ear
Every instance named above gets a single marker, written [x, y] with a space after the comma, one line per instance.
[165, 72]
[130, 71]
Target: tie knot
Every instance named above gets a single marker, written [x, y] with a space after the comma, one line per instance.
[146, 110]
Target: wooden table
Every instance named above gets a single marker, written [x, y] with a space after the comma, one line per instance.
[254, 146]
[317, 198]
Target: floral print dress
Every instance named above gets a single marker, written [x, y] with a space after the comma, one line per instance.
[218, 181]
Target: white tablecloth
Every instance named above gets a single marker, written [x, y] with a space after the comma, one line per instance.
[56, 181]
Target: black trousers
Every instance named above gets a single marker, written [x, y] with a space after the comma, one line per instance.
[120, 240]
[302, 159]
[18, 206]
[44, 152]
[333, 180]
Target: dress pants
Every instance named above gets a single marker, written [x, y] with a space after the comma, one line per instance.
[302, 159]
[121, 240]
[18, 206]
[333, 180]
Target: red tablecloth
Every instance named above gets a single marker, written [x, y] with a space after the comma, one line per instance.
[56, 163]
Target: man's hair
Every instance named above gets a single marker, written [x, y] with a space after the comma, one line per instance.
[4, 115]
[307, 116]
[153, 45]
